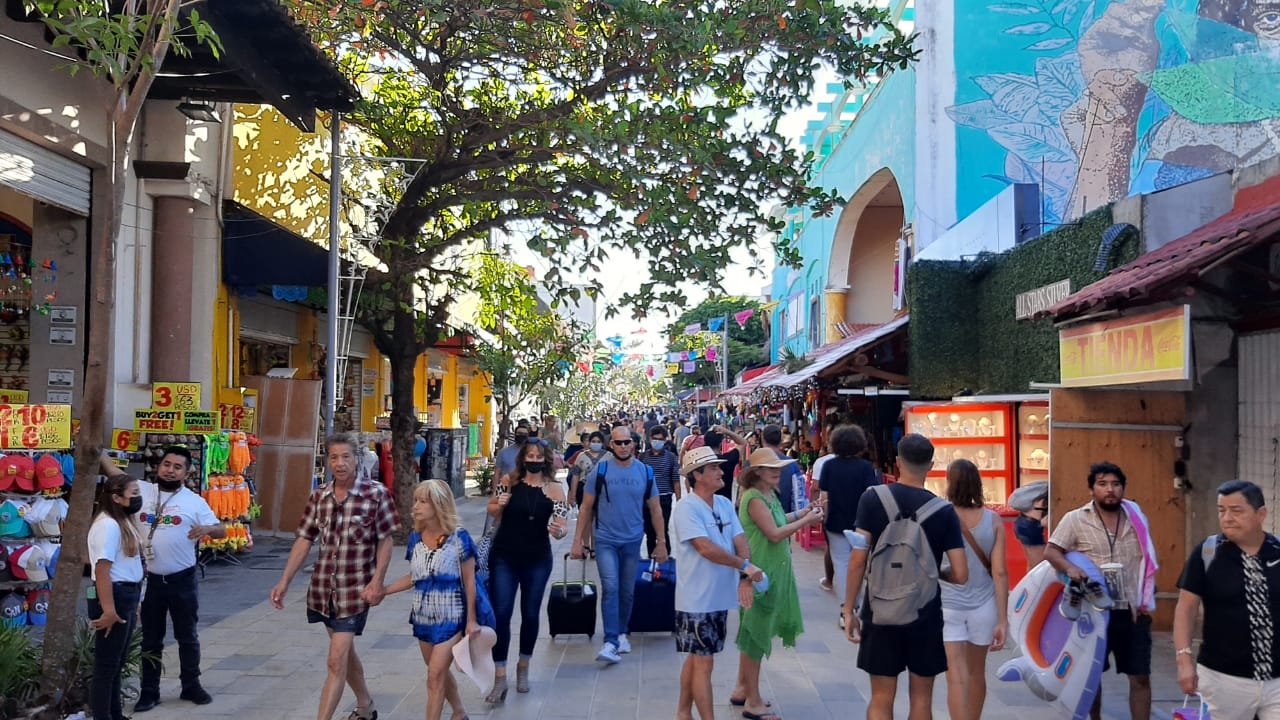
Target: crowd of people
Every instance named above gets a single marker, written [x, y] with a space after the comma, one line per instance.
[920, 581]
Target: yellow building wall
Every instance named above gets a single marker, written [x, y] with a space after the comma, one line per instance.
[278, 171]
[449, 394]
[372, 407]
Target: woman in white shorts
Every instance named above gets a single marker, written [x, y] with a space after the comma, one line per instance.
[972, 623]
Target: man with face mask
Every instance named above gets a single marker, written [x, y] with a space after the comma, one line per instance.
[172, 521]
[506, 459]
[666, 475]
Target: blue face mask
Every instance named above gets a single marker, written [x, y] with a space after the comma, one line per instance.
[597, 447]
[658, 444]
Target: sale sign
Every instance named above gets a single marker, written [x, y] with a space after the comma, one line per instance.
[236, 417]
[175, 396]
[175, 421]
[32, 427]
[125, 440]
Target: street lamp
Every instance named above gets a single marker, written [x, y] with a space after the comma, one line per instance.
[199, 111]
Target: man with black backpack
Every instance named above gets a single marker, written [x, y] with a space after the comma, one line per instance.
[614, 498]
[903, 532]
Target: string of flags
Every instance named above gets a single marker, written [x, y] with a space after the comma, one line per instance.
[716, 324]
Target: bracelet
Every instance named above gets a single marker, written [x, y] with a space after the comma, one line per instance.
[745, 563]
[1182, 651]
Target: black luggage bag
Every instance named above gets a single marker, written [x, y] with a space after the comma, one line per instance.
[571, 607]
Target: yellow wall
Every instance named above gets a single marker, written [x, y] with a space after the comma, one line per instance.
[278, 169]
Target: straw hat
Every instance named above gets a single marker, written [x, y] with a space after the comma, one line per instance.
[474, 657]
[764, 457]
[699, 457]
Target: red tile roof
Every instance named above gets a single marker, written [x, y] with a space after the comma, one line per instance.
[1173, 266]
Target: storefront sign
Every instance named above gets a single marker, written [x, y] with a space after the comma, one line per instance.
[175, 421]
[1142, 348]
[125, 440]
[35, 426]
[175, 396]
[14, 396]
[236, 417]
[1042, 298]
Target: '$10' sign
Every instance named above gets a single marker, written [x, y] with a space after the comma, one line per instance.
[35, 426]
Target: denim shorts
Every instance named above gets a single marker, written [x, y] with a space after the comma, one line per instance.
[1030, 532]
[350, 624]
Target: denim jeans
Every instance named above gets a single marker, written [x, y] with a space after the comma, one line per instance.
[840, 552]
[505, 578]
[170, 596]
[618, 564]
[110, 649]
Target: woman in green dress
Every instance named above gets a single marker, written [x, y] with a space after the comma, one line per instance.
[776, 611]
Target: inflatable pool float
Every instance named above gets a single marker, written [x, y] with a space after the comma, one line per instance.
[1061, 661]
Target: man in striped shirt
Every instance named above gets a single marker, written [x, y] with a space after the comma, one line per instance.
[666, 476]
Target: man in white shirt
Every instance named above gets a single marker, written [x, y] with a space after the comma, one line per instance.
[172, 521]
[715, 576]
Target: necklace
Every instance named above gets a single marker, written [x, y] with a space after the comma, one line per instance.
[531, 502]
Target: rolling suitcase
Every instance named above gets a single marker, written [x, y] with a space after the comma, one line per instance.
[654, 609]
[571, 607]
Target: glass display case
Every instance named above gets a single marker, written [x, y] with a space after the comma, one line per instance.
[983, 434]
[1033, 442]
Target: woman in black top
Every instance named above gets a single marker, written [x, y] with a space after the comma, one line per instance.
[530, 511]
[842, 478]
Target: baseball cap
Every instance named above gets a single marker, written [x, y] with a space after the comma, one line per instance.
[8, 474]
[5, 575]
[51, 565]
[45, 516]
[49, 473]
[699, 457]
[11, 522]
[764, 457]
[13, 610]
[25, 469]
[27, 562]
[38, 606]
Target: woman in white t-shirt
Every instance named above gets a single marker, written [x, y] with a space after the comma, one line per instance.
[115, 562]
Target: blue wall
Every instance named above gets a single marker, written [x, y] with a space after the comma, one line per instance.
[882, 136]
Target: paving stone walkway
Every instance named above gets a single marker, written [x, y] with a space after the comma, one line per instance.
[264, 664]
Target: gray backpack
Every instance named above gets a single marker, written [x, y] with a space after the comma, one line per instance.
[904, 574]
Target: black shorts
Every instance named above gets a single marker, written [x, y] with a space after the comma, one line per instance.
[701, 633]
[1129, 641]
[351, 624]
[888, 650]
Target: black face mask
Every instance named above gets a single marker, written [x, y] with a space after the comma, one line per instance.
[535, 467]
[135, 505]
[170, 485]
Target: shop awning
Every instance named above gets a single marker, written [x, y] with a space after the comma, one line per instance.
[746, 387]
[256, 252]
[831, 353]
[1166, 270]
[695, 395]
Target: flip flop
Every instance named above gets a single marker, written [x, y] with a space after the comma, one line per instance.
[742, 702]
[766, 716]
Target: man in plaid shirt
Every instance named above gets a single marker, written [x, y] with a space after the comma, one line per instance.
[353, 519]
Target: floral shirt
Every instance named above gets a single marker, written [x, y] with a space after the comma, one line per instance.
[348, 533]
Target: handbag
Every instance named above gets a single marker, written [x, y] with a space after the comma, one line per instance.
[1199, 712]
[484, 546]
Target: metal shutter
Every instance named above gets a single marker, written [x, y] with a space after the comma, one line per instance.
[1259, 448]
[43, 174]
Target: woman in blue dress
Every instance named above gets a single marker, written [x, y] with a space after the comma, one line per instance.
[448, 603]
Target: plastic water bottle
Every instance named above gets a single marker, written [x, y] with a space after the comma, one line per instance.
[763, 584]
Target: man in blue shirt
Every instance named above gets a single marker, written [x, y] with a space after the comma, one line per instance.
[506, 459]
[614, 499]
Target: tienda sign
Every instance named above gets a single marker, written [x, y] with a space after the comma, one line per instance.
[1138, 349]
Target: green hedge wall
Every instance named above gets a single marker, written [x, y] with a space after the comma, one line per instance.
[963, 333]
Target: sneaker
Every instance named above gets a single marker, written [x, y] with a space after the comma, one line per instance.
[609, 654]
[369, 714]
[1097, 595]
[624, 645]
[825, 584]
[196, 694]
[1072, 601]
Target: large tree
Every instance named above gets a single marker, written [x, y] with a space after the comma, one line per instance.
[623, 130]
[124, 47]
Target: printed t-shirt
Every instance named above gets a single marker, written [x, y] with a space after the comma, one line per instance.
[704, 586]
[178, 513]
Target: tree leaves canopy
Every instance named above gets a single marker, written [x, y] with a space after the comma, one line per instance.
[747, 344]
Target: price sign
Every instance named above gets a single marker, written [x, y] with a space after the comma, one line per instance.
[236, 417]
[16, 397]
[175, 396]
[35, 426]
[124, 440]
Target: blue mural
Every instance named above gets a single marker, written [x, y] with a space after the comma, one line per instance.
[1099, 100]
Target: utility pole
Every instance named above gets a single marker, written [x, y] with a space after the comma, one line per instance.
[724, 355]
[335, 284]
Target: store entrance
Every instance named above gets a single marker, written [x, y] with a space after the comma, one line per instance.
[257, 357]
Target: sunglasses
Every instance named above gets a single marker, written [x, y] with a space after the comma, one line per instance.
[621, 442]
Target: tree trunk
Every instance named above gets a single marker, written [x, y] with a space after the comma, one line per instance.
[64, 597]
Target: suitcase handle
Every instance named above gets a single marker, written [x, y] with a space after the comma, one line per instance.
[566, 569]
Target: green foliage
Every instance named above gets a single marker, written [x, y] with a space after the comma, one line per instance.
[748, 345]
[119, 47]
[963, 332]
[526, 345]
[19, 665]
[484, 477]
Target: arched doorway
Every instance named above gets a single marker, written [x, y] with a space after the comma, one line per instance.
[860, 274]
